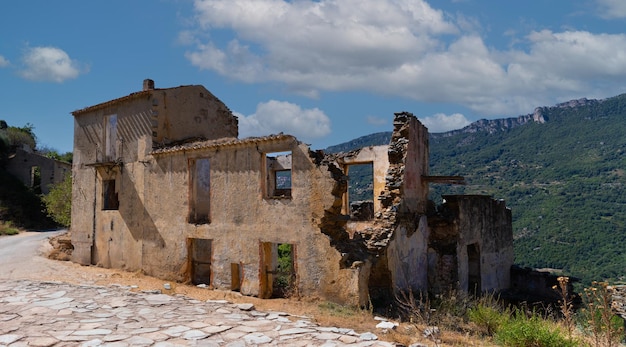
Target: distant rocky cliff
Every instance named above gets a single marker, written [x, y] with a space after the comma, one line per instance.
[488, 125]
[504, 124]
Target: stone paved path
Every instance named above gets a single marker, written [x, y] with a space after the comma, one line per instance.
[58, 314]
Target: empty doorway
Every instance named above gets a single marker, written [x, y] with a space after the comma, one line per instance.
[278, 271]
[200, 259]
[473, 269]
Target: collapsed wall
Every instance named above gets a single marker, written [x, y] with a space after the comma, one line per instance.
[389, 247]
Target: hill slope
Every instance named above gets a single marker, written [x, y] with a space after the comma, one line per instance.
[562, 170]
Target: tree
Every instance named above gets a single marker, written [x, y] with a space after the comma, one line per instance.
[59, 201]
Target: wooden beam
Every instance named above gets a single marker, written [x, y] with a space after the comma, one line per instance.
[444, 179]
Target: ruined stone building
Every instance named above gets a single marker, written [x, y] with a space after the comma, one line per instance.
[163, 184]
[35, 170]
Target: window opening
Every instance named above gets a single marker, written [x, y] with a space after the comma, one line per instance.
[473, 269]
[109, 195]
[200, 254]
[110, 138]
[360, 200]
[200, 170]
[279, 174]
[279, 274]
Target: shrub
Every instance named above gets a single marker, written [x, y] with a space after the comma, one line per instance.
[59, 201]
[522, 330]
[487, 317]
[6, 228]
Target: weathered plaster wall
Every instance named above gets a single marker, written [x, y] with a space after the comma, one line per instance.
[407, 257]
[414, 189]
[116, 238]
[239, 225]
[190, 112]
[100, 237]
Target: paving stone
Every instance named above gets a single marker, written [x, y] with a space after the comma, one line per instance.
[233, 335]
[92, 332]
[368, 337]
[194, 335]
[176, 331]
[35, 314]
[7, 317]
[144, 330]
[216, 329]
[53, 302]
[156, 336]
[327, 336]
[139, 341]
[115, 337]
[348, 339]
[9, 338]
[197, 325]
[158, 299]
[257, 338]
[245, 307]
[41, 341]
[295, 331]
[92, 343]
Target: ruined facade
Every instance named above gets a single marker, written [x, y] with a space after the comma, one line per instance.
[162, 184]
[35, 170]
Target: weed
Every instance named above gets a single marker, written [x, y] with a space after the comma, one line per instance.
[566, 304]
[488, 317]
[522, 330]
[601, 322]
[334, 309]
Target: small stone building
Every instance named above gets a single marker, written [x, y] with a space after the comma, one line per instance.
[163, 184]
[35, 170]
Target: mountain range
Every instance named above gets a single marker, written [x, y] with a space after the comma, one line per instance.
[561, 170]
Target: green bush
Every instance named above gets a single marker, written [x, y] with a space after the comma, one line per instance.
[59, 201]
[487, 317]
[6, 228]
[532, 331]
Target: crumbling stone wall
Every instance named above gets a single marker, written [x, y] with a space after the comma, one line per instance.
[397, 224]
[465, 221]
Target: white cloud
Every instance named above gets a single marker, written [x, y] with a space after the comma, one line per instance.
[279, 116]
[612, 8]
[402, 48]
[373, 120]
[3, 62]
[49, 64]
[440, 122]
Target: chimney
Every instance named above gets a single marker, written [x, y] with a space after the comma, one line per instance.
[148, 84]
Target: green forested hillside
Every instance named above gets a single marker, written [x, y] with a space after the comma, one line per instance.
[565, 181]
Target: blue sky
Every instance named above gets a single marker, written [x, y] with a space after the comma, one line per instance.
[326, 71]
